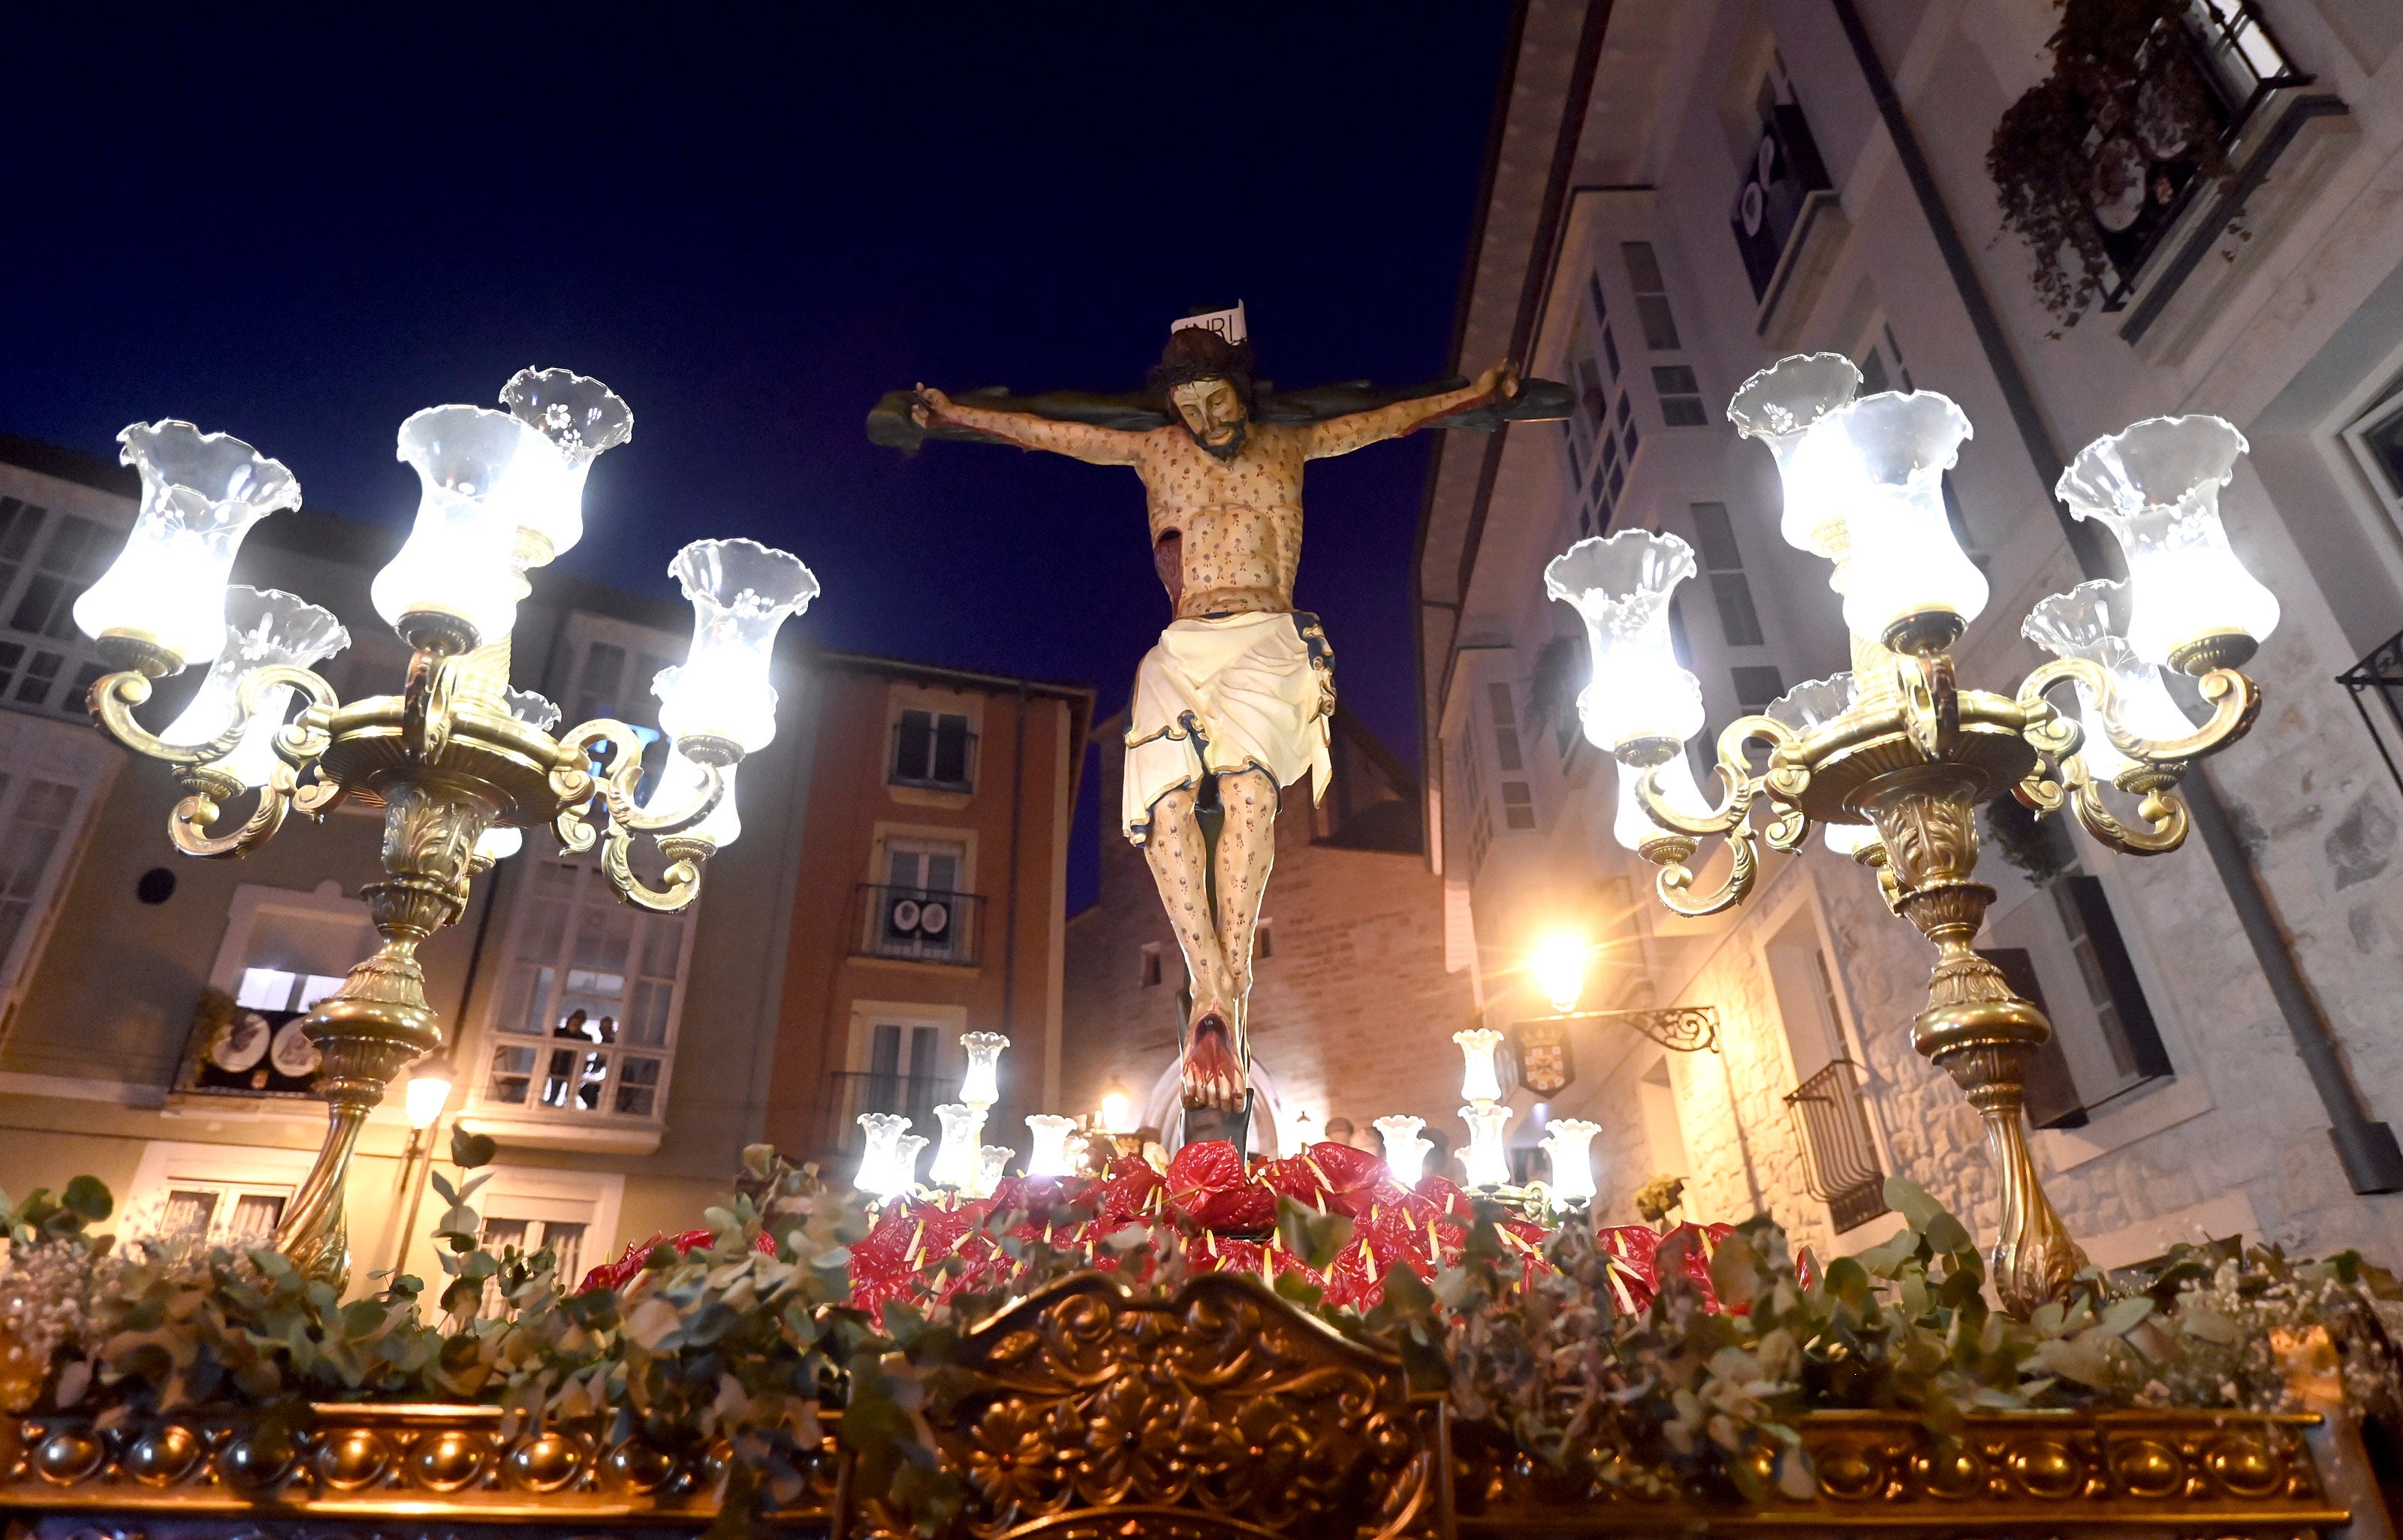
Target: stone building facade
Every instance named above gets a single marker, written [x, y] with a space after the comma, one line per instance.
[1623, 246]
[1352, 1007]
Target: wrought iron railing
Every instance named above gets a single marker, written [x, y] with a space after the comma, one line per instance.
[915, 924]
[1839, 1154]
[2381, 673]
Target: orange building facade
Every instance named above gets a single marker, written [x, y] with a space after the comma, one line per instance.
[932, 894]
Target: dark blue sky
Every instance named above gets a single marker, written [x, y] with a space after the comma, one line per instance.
[300, 229]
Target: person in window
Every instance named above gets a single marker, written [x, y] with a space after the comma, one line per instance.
[607, 1030]
[572, 1026]
[1341, 1131]
[1236, 698]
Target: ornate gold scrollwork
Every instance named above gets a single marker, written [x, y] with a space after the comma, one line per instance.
[577, 788]
[1784, 780]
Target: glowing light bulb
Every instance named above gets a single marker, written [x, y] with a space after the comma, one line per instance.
[1117, 1110]
[981, 1085]
[1569, 1142]
[1049, 1156]
[1558, 965]
[429, 1092]
[1406, 1152]
[1488, 1161]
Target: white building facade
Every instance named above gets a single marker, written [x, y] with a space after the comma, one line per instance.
[1681, 193]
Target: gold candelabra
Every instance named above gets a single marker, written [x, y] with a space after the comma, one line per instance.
[1895, 760]
[457, 760]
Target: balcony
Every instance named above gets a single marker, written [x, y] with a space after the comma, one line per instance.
[1841, 1168]
[2381, 673]
[915, 924]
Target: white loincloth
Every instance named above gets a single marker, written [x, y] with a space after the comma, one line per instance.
[1219, 695]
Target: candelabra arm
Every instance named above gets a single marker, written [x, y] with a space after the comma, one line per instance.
[115, 697]
[190, 825]
[576, 784]
[682, 879]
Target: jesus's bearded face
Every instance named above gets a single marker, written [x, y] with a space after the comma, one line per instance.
[1213, 412]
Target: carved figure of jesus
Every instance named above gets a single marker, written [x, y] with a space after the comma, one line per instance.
[1239, 691]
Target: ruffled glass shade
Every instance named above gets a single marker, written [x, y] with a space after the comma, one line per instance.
[1778, 406]
[1048, 1156]
[261, 627]
[581, 417]
[1487, 1159]
[741, 592]
[1569, 1142]
[1807, 707]
[981, 1085]
[201, 495]
[1479, 1081]
[1885, 456]
[479, 470]
[880, 1157]
[1406, 1151]
[2077, 624]
[2155, 485]
[1639, 694]
[956, 1158]
[992, 1164]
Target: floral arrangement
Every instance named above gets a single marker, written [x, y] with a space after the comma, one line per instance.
[2102, 146]
[795, 1301]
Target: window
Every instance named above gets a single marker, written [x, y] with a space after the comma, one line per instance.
[897, 1065]
[1468, 770]
[2059, 945]
[1651, 295]
[1517, 799]
[1150, 974]
[572, 1214]
[1681, 396]
[564, 1238]
[283, 951]
[615, 681]
[35, 817]
[1756, 686]
[919, 912]
[213, 1195]
[933, 749]
[1715, 540]
[222, 1213]
[585, 1023]
[1263, 941]
[47, 560]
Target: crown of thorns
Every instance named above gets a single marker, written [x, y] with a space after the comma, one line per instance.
[1194, 354]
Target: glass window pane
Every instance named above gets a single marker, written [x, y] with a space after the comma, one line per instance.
[566, 1243]
[1737, 617]
[1643, 267]
[188, 1212]
[1660, 326]
[1674, 380]
[265, 989]
[646, 1023]
[638, 1081]
[315, 986]
[559, 1081]
[1715, 537]
[952, 751]
[254, 1219]
[1683, 411]
[512, 1075]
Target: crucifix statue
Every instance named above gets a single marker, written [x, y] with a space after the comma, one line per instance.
[1232, 705]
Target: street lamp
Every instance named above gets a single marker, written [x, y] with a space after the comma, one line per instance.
[1558, 965]
[458, 762]
[1906, 754]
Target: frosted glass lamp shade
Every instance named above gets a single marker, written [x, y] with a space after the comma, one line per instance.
[532, 707]
[263, 627]
[1808, 707]
[981, 1085]
[1048, 1156]
[956, 1158]
[1884, 457]
[1778, 406]
[881, 1172]
[1406, 1149]
[498, 844]
[1478, 1083]
[201, 495]
[1569, 1142]
[478, 470]
[1487, 1159]
[1632, 826]
[1640, 700]
[2077, 624]
[679, 787]
[581, 417]
[992, 1164]
[741, 593]
[2155, 485]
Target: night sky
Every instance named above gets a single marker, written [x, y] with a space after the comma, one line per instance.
[300, 231]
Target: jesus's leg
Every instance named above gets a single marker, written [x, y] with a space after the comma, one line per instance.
[1179, 856]
[1246, 851]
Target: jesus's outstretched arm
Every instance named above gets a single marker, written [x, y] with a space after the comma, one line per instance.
[1359, 429]
[1084, 441]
